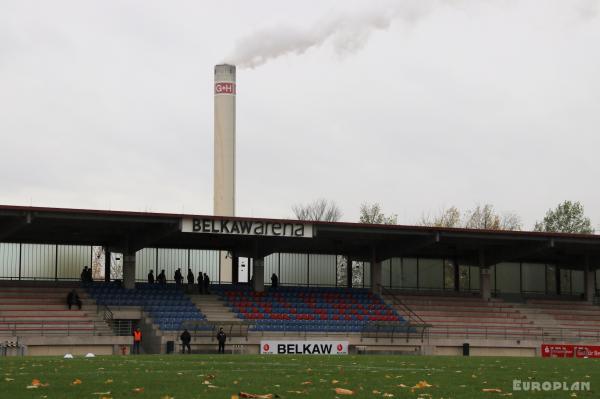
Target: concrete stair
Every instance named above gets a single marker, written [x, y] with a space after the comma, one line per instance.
[41, 309]
[214, 309]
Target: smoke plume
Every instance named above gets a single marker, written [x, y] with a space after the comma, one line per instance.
[347, 33]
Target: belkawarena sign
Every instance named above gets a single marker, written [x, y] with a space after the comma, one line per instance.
[270, 347]
[247, 227]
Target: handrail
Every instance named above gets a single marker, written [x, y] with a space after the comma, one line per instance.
[413, 318]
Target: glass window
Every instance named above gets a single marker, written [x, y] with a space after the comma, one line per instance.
[431, 274]
[577, 282]
[508, 278]
[396, 272]
[322, 270]
[386, 268]
[551, 279]
[9, 260]
[448, 274]
[474, 279]
[409, 273]
[294, 269]
[565, 282]
[534, 277]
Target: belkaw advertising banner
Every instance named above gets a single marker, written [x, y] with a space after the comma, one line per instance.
[271, 347]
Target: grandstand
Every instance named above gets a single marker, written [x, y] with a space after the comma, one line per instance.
[380, 288]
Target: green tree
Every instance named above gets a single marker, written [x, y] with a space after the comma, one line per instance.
[373, 214]
[449, 217]
[567, 217]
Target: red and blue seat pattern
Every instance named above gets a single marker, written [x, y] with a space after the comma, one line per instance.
[308, 308]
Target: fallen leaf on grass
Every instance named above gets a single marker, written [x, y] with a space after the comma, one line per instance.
[76, 381]
[388, 395]
[343, 391]
[422, 384]
[255, 395]
[298, 392]
[101, 393]
[109, 381]
[306, 383]
[167, 397]
[138, 390]
[213, 386]
[402, 386]
[9, 379]
[376, 392]
[35, 383]
[334, 382]
[496, 390]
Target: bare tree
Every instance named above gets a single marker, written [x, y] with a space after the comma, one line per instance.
[486, 217]
[449, 217]
[318, 210]
[373, 214]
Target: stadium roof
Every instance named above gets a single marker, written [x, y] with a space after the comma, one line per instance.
[130, 231]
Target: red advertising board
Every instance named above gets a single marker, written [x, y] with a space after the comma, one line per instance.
[562, 350]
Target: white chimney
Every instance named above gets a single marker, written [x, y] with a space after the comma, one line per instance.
[224, 154]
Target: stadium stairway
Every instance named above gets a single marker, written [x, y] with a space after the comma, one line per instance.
[213, 308]
[38, 308]
[471, 317]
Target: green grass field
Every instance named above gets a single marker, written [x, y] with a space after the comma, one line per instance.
[210, 376]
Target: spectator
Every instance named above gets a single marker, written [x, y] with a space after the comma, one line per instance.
[274, 281]
[73, 299]
[151, 277]
[137, 340]
[90, 278]
[190, 277]
[200, 283]
[83, 275]
[221, 337]
[186, 338]
[162, 278]
[206, 284]
[178, 277]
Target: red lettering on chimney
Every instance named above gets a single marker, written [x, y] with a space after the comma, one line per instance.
[224, 88]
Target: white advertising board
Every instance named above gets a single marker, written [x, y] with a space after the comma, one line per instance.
[277, 347]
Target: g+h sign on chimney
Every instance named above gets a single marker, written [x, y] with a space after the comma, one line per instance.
[225, 88]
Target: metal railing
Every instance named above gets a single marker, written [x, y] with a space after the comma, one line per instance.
[394, 330]
[120, 327]
[47, 328]
[205, 328]
[413, 318]
[512, 333]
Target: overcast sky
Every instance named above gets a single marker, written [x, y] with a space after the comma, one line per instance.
[416, 105]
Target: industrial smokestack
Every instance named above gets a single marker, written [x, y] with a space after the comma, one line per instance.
[224, 154]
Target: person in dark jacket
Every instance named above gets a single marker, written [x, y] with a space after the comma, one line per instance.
[186, 338]
[274, 281]
[206, 284]
[221, 337]
[190, 277]
[162, 278]
[200, 283]
[178, 277]
[151, 277]
[73, 299]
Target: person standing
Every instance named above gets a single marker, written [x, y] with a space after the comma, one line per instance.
[200, 283]
[151, 277]
[162, 278]
[186, 338]
[190, 278]
[274, 281]
[178, 277]
[137, 341]
[206, 284]
[221, 338]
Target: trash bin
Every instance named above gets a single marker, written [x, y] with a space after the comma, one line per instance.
[170, 346]
[466, 349]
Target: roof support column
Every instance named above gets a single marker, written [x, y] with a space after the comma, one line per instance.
[485, 285]
[259, 274]
[348, 271]
[226, 267]
[589, 277]
[375, 274]
[106, 264]
[129, 270]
